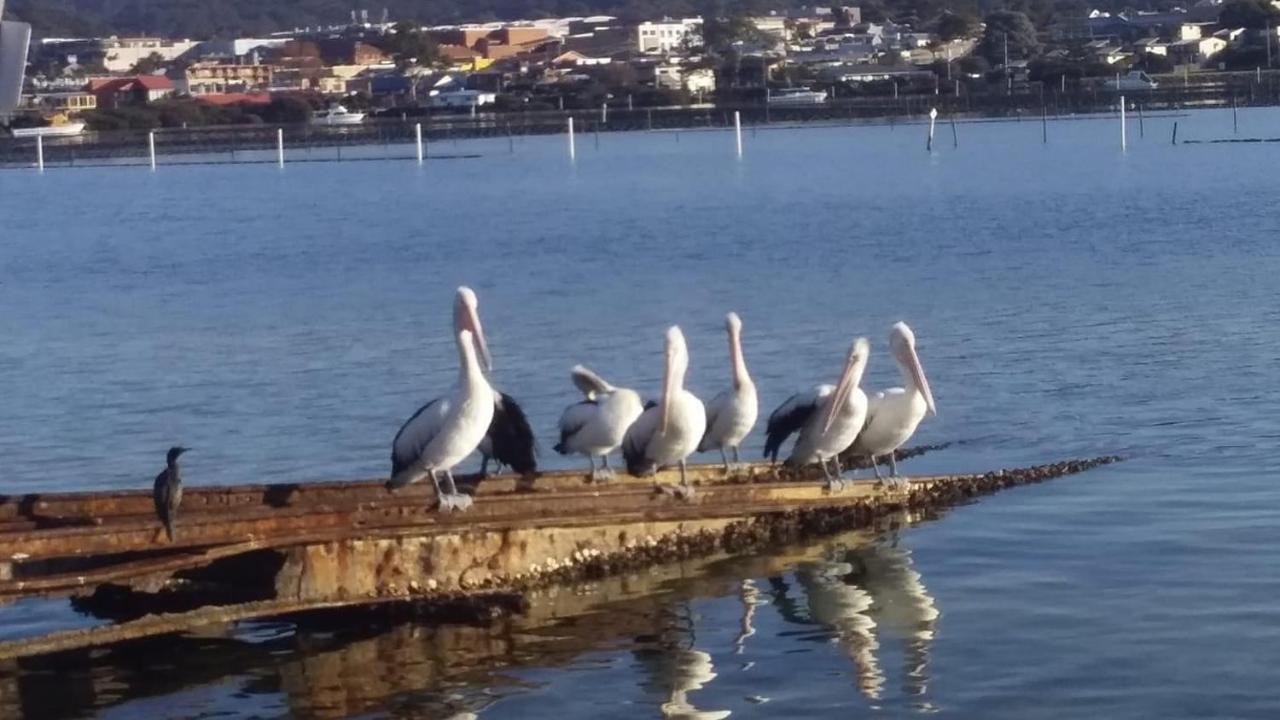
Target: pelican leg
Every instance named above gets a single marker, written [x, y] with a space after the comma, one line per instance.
[452, 499]
[833, 481]
[606, 472]
[876, 467]
[592, 461]
[737, 461]
[685, 491]
[443, 501]
[725, 459]
[893, 463]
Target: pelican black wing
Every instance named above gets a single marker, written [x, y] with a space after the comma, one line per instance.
[787, 419]
[512, 436]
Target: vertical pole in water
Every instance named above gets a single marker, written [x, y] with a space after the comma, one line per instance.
[1235, 122]
[417, 139]
[1174, 141]
[955, 140]
[649, 115]
[1124, 140]
[1142, 130]
[1044, 126]
[280, 146]
[151, 148]
[604, 113]
[895, 89]
[572, 151]
[957, 88]
[933, 117]
[737, 130]
[40, 153]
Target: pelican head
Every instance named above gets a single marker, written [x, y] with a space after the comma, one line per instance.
[854, 366]
[466, 316]
[902, 343]
[733, 323]
[677, 363]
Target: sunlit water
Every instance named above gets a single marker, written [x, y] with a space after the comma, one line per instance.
[1069, 301]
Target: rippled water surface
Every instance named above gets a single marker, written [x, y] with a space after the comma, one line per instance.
[1069, 301]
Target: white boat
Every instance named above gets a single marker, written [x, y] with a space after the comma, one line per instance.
[338, 115]
[797, 96]
[63, 130]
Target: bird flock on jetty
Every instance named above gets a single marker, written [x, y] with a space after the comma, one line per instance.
[828, 420]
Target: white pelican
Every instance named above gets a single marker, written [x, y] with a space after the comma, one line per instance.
[448, 429]
[668, 432]
[597, 425]
[732, 413]
[827, 418]
[894, 414]
[509, 439]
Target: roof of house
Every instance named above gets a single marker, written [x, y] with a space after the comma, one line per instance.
[126, 84]
[234, 98]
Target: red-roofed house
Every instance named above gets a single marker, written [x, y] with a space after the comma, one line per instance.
[235, 98]
[137, 90]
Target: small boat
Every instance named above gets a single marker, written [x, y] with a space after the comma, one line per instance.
[338, 115]
[66, 129]
[797, 96]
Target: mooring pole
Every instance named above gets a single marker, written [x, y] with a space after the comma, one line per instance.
[1174, 141]
[955, 140]
[572, 151]
[933, 117]
[417, 140]
[1124, 140]
[1235, 121]
[737, 130]
[280, 146]
[151, 148]
[40, 153]
[1142, 130]
[1044, 125]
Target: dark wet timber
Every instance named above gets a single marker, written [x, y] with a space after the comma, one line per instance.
[267, 550]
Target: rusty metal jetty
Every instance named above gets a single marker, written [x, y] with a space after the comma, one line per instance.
[254, 551]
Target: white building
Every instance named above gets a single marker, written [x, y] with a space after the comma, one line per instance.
[121, 54]
[461, 98]
[656, 38]
[238, 47]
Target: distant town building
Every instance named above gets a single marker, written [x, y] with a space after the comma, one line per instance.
[137, 90]
[206, 78]
[122, 54]
[657, 38]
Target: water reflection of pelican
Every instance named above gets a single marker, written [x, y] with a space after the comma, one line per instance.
[674, 668]
[868, 595]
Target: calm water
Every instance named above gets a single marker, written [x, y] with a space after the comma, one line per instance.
[1069, 301]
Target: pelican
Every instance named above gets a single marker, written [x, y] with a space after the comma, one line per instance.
[667, 432]
[167, 492]
[597, 425]
[509, 439]
[827, 418]
[732, 413]
[894, 414]
[448, 429]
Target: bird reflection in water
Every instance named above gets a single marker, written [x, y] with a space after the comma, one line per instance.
[673, 667]
[866, 596]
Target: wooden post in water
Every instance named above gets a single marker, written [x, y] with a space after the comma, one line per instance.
[417, 140]
[40, 153]
[573, 154]
[151, 148]
[737, 130]
[1124, 140]
[280, 146]
[1174, 141]
[933, 117]
[955, 140]
[1235, 121]
[1142, 130]
[1044, 125]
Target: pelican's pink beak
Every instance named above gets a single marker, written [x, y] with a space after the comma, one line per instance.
[669, 389]
[922, 382]
[466, 316]
[849, 379]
